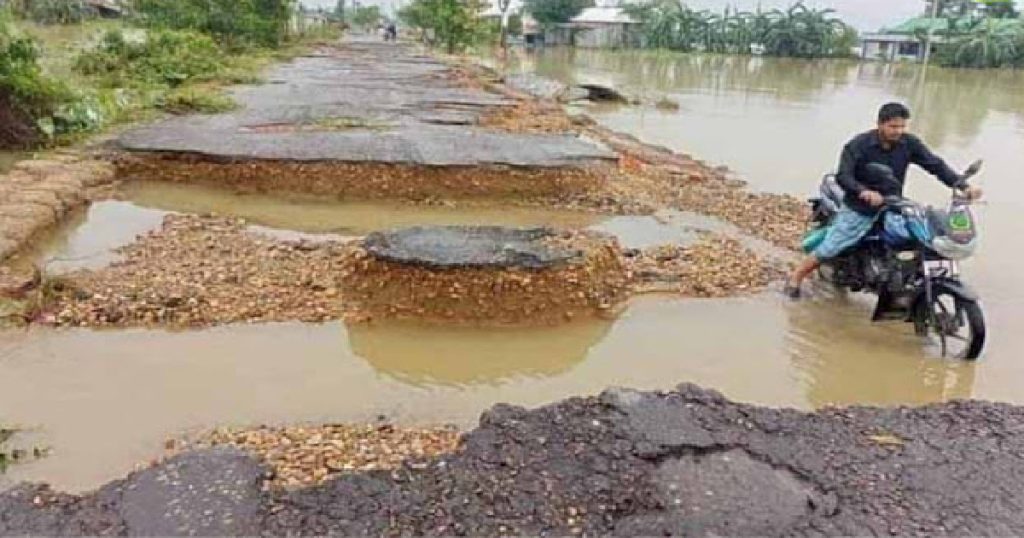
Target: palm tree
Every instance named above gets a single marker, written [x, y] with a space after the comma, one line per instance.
[746, 29]
[804, 32]
[659, 20]
[782, 37]
[1019, 62]
[986, 43]
[797, 31]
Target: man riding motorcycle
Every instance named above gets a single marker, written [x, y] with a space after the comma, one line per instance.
[891, 145]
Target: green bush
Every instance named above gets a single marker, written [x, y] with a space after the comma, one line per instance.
[366, 16]
[798, 31]
[5, 434]
[20, 75]
[28, 98]
[985, 43]
[164, 57]
[515, 24]
[196, 100]
[455, 24]
[550, 12]
[234, 23]
[1019, 62]
[85, 114]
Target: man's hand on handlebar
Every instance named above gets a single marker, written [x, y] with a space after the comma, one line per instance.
[872, 197]
[972, 192]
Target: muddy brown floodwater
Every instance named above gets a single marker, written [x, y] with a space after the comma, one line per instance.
[8, 158]
[107, 400]
[779, 124]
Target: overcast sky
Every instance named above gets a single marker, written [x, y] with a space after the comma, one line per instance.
[863, 14]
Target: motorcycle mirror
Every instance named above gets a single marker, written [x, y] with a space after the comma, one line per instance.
[973, 169]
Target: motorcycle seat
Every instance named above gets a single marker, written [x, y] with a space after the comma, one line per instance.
[831, 193]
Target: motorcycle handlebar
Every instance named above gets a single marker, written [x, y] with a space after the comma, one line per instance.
[895, 201]
[973, 169]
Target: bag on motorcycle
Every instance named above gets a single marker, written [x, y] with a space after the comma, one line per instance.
[954, 230]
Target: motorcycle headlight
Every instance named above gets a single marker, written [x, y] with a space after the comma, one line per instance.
[952, 250]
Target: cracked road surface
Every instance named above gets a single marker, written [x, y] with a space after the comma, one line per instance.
[623, 463]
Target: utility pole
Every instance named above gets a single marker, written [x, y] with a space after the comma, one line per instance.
[503, 6]
[928, 39]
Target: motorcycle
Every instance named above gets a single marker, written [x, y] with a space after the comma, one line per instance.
[916, 278]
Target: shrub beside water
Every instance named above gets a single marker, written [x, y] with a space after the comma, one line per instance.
[176, 62]
[28, 98]
[233, 23]
[164, 57]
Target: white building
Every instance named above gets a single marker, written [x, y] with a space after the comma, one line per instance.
[597, 27]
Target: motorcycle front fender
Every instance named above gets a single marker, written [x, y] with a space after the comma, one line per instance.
[955, 288]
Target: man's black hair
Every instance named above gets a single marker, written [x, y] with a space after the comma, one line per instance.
[893, 110]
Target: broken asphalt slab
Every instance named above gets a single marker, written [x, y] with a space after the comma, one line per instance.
[214, 492]
[624, 463]
[469, 246]
[364, 102]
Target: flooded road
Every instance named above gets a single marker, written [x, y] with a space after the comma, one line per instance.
[90, 237]
[315, 215]
[107, 400]
[780, 123]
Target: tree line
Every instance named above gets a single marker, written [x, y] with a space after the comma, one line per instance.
[797, 31]
[977, 33]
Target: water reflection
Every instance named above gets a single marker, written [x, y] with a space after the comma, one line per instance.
[107, 400]
[641, 71]
[844, 358]
[461, 356]
[90, 237]
[9, 158]
[780, 125]
[319, 215]
[950, 106]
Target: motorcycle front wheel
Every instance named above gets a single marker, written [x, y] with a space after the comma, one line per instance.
[958, 323]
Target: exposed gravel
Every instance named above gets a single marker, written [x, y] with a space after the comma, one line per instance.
[307, 455]
[226, 272]
[686, 462]
[198, 271]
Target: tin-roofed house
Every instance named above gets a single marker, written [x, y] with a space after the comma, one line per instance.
[597, 27]
[906, 42]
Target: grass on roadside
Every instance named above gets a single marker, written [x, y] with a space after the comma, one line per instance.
[197, 100]
[5, 434]
[116, 73]
[12, 455]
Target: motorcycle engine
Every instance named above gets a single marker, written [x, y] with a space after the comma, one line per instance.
[876, 271]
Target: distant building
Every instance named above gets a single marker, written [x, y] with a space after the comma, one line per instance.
[906, 41]
[532, 34]
[306, 20]
[597, 27]
[493, 11]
